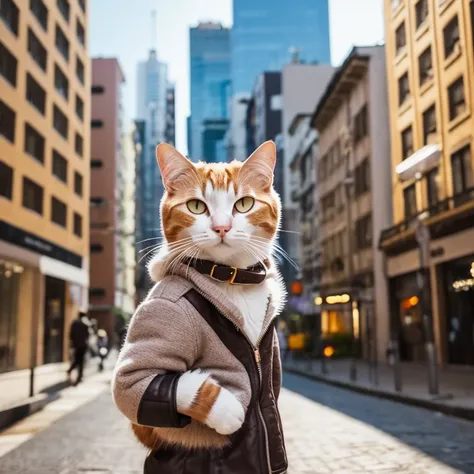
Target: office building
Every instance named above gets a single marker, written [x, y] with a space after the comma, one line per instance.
[264, 32]
[170, 130]
[354, 194]
[44, 178]
[210, 82]
[213, 135]
[429, 47]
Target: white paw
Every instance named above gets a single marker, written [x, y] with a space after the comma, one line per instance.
[188, 386]
[227, 414]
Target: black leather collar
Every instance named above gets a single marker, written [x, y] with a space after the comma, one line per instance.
[235, 276]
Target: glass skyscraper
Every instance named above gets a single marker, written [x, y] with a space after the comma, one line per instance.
[265, 30]
[210, 83]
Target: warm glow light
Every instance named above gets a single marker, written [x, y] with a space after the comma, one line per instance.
[414, 300]
[338, 299]
[318, 301]
[355, 320]
[328, 351]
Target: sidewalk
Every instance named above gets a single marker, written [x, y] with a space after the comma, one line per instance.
[456, 393]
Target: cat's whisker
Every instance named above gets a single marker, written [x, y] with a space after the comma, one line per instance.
[146, 240]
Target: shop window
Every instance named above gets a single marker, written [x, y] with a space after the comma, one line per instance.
[10, 15]
[78, 183]
[77, 225]
[8, 65]
[6, 181]
[35, 94]
[403, 89]
[429, 125]
[457, 99]
[62, 43]
[7, 122]
[58, 212]
[400, 38]
[61, 82]
[34, 143]
[60, 122]
[409, 197]
[32, 196]
[421, 12]
[407, 142]
[40, 11]
[451, 37]
[60, 166]
[425, 66]
[37, 50]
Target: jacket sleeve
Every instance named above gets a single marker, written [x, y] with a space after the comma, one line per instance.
[160, 345]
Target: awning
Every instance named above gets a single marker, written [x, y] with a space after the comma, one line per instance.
[63, 271]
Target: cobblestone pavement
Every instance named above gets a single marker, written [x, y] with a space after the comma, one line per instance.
[328, 430]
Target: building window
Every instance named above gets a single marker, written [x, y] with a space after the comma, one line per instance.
[362, 178]
[6, 181]
[432, 187]
[62, 43]
[8, 64]
[98, 292]
[400, 38]
[10, 15]
[462, 171]
[32, 196]
[360, 124]
[77, 225]
[409, 197]
[58, 212]
[97, 123]
[79, 107]
[81, 33]
[82, 3]
[59, 166]
[425, 66]
[60, 122]
[80, 70]
[429, 125]
[39, 10]
[97, 163]
[97, 89]
[96, 248]
[35, 94]
[78, 183]
[34, 143]
[7, 122]
[403, 89]
[63, 6]
[61, 82]
[421, 12]
[37, 50]
[407, 142]
[457, 101]
[451, 37]
[363, 228]
[79, 145]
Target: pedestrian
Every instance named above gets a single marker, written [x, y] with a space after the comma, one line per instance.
[79, 337]
[102, 347]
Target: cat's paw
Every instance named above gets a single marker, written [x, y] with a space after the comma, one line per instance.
[227, 414]
[188, 387]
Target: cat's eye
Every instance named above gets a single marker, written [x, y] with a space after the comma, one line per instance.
[244, 204]
[196, 206]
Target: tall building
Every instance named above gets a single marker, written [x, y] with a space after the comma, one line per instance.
[431, 90]
[264, 32]
[353, 190]
[44, 178]
[210, 82]
[213, 133]
[170, 130]
[111, 231]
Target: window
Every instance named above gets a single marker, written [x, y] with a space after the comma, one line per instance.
[6, 181]
[97, 89]
[37, 50]
[97, 123]
[457, 101]
[363, 228]
[429, 125]
[79, 107]
[32, 196]
[8, 64]
[35, 94]
[7, 122]
[63, 6]
[407, 142]
[62, 43]
[78, 183]
[421, 12]
[425, 66]
[451, 37]
[77, 225]
[34, 143]
[96, 248]
[80, 32]
[432, 187]
[97, 163]
[360, 124]
[58, 212]
[409, 197]
[98, 292]
[362, 178]
[61, 83]
[40, 12]
[80, 70]
[400, 38]
[10, 15]
[403, 89]
[462, 170]
[82, 3]
[79, 144]
[59, 166]
[60, 122]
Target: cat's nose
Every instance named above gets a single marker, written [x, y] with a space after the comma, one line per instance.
[221, 230]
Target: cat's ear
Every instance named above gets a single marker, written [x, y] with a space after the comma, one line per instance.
[258, 167]
[175, 168]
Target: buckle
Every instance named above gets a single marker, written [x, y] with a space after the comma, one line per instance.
[230, 280]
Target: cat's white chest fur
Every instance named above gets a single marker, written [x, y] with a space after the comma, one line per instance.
[252, 302]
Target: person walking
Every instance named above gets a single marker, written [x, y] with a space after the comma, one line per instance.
[79, 337]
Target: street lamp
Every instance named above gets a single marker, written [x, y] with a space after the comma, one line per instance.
[414, 167]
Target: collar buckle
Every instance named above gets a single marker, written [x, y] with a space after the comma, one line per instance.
[230, 280]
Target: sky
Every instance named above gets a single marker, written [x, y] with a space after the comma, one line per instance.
[123, 29]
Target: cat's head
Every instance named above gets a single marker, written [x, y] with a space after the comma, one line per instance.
[225, 212]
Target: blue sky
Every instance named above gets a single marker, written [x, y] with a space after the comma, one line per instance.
[123, 29]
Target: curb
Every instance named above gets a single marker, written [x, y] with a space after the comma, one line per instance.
[451, 410]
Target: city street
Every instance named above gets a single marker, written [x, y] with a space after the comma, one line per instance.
[328, 430]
